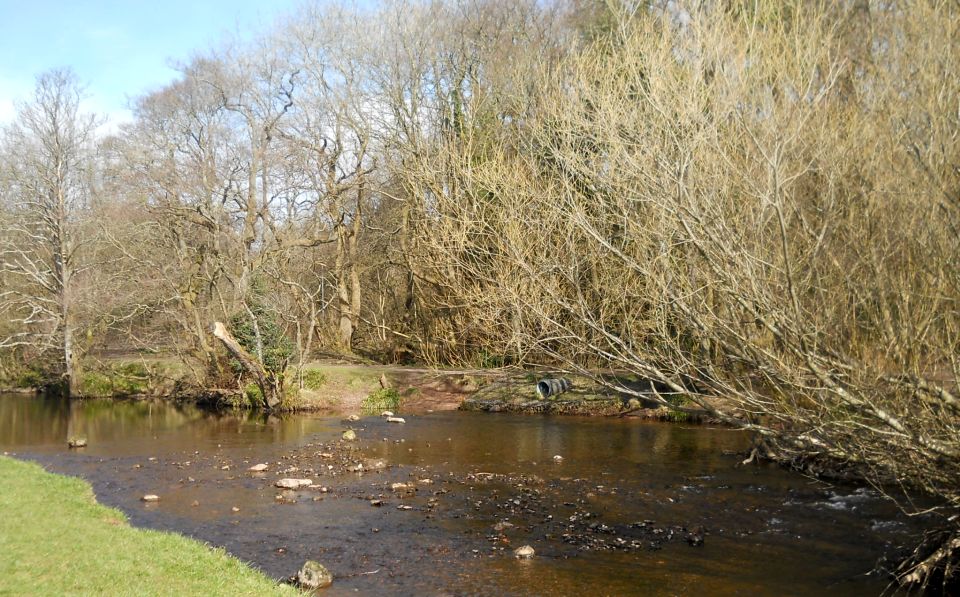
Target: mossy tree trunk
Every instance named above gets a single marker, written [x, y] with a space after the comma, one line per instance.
[269, 388]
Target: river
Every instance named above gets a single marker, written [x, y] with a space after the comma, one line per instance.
[629, 507]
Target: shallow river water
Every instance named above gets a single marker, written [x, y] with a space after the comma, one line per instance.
[630, 507]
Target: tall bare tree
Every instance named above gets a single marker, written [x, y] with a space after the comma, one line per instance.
[46, 173]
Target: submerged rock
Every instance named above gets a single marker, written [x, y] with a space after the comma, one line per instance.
[524, 553]
[150, 498]
[314, 575]
[349, 435]
[258, 468]
[293, 483]
[375, 463]
[695, 537]
[77, 442]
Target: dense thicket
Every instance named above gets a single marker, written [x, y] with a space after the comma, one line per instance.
[755, 204]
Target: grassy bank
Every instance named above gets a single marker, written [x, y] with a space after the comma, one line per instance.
[57, 540]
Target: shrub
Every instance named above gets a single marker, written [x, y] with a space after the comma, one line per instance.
[382, 399]
[313, 379]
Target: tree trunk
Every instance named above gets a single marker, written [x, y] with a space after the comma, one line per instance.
[352, 262]
[265, 381]
[345, 339]
[71, 371]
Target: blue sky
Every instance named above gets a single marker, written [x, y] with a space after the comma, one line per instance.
[118, 49]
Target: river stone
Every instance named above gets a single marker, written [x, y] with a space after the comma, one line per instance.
[558, 458]
[353, 418]
[349, 435]
[386, 413]
[375, 463]
[524, 553]
[293, 483]
[395, 420]
[314, 575]
[77, 442]
[150, 498]
[258, 468]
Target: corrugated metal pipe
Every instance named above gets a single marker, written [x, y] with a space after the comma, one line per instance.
[552, 386]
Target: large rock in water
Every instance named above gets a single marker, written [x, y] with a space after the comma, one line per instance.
[524, 553]
[314, 575]
[293, 483]
[349, 435]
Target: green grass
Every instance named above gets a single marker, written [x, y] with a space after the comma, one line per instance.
[119, 379]
[57, 540]
[677, 416]
[314, 379]
[382, 399]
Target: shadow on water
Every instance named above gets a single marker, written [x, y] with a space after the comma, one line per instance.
[619, 513]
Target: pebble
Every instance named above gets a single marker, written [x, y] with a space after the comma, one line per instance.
[257, 468]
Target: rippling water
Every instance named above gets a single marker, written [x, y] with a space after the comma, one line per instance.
[620, 512]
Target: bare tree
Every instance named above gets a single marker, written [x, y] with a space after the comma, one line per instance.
[46, 171]
[721, 204]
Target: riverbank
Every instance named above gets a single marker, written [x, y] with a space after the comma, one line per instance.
[57, 540]
[338, 386]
